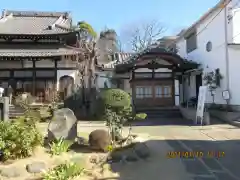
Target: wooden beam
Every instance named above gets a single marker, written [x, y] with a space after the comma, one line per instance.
[173, 87]
[55, 72]
[153, 66]
[38, 69]
[34, 78]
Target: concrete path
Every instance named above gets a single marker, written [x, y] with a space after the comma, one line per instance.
[219, 143]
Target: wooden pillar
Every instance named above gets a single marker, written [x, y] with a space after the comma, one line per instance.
[55, 73]
[34, 78]
[153, 73]
[11, 74]
[183, 89]
[173, 86]
[133, 89]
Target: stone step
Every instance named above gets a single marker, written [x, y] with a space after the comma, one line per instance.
[149, 116]
[161, 113]
[15, 112]
[157, 108]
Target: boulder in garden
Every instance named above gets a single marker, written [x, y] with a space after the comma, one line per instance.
[36, 167]
[63, 125]
[99, 140]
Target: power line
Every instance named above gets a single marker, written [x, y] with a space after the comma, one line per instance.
[225, 17]
[225, 5]
[209, 21]
[224, 42]
[214, 18]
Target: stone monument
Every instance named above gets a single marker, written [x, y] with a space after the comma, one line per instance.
[63, 125]
[4, 108]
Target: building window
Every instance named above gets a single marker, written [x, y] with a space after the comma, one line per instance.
[163, 91]
[158, 91]
[209, 46]
[143, 92]
[167, 91]
[45, 73]
[23, 74]
[191, 42]
[4, 73]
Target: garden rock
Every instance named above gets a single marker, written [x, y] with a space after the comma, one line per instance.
[35, 178]
[99, 140]
[36, 167]
[63, 125]
[10, 172]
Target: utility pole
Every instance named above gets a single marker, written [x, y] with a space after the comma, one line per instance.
[226, 47]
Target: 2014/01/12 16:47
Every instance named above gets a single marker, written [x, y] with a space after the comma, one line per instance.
[195, 154]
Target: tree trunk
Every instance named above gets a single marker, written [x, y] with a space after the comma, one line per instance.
[91, 82]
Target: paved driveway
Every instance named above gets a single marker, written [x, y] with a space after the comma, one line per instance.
[219, 144]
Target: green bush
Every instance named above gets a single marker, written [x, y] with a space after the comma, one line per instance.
[116, 98]
[64, 172]
[118, 110]
[140, 116]
[60, 146]
[18, 139]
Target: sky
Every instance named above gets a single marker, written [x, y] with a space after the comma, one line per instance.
[174, 15]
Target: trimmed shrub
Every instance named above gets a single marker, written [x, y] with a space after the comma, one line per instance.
[116, 98]
[117, 112]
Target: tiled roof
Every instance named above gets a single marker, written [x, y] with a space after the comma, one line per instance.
[183, 63]
[118, 59]
[30, 22]
[35, 51]
[151, 49]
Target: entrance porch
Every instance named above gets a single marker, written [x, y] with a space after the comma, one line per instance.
[153, 92]
[155, 76]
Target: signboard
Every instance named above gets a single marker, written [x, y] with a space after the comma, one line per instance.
[201, 101]
[226, 95]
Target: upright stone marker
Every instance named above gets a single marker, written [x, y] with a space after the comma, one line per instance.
[4, 101]
[63, 125]
[6, 109]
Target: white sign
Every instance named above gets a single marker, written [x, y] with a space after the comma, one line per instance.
[226, 95]
[201, 101]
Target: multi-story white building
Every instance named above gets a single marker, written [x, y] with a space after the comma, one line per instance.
[214, 42]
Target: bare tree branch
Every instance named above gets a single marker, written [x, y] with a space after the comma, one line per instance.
[143, 34]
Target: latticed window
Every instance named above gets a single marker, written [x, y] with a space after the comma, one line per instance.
[143, 92]
[167, 91]
[158, 91]
[163, 91]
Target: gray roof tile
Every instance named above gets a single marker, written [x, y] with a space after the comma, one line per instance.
[35, 51]
[30, 22]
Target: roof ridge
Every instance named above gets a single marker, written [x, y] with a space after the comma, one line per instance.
[62, 27]
[35, 13]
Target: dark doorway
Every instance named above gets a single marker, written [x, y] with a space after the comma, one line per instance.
[66, 85]
[198, 83]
